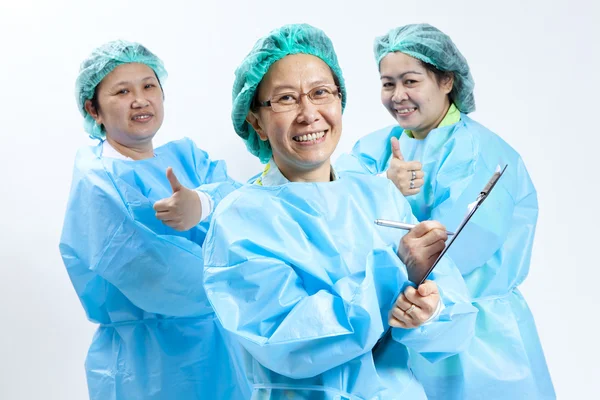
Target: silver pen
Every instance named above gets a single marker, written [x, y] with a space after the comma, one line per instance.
[400, 225]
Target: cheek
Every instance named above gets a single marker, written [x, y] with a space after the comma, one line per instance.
[276, 127]
[333, 113]
[386, 99]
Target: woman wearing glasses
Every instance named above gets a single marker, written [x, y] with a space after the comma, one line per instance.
[295, 268]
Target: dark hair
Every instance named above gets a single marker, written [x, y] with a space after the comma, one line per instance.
[440, 76]
[254, 104]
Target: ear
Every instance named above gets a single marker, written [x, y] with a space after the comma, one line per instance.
[92, 111]
[448, 83]
[254, 120]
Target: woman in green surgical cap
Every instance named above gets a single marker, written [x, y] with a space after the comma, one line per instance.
[133, 256]
[440, 159]
[295, 268]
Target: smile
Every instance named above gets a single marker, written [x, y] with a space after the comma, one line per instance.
[142, 117]
[403, 111]
[310, 137]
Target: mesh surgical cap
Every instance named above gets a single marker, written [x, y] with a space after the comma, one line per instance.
[428, 44]
[99, 64]
[287, 40]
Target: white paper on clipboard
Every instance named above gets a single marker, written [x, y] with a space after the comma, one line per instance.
[470, 211]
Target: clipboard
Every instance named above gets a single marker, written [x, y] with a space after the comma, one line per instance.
[472, 208]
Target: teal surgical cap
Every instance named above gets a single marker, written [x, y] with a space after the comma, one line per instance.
[99, 64]
[428, 44]
[289, 39]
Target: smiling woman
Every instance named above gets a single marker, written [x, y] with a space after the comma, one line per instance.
[441, 159]
[136, 268]
[303, 120]
[295, 268]
[128, 105]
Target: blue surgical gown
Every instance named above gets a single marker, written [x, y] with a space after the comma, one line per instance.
[493, 252]
[304, 280]
[142, 281]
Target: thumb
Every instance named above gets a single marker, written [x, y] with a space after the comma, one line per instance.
[396, 149]
[427, 288]
[175, 185]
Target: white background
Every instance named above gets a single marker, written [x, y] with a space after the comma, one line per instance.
[535, 65]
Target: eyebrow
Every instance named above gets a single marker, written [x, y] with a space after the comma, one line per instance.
[126, 82]
[401, 75]
[314, 83]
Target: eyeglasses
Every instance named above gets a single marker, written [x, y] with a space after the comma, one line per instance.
[283, 102]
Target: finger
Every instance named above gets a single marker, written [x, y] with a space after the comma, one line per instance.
[396, 149]
[420, 174]
[415, 314]
[173, 224]
[425, 227]
[402, 303]
[435, 248]
[175, 185]
[417, 183]
[166, 216]
[162, 205]
[413, 165]
[424, 306]
[427, 288]
[411, 192]
[396, 323]
[421, 229]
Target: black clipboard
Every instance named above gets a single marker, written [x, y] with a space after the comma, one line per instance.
[473, 207]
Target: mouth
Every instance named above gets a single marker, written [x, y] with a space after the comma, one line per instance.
[142, 117]
[404, 111]
[311, 138]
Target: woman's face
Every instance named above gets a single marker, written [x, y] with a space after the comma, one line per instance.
[304, 138]
[130, 104]
[412, 94]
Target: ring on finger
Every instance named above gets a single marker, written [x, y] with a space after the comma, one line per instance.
[410, 309]
[414, 175]
[412, 185]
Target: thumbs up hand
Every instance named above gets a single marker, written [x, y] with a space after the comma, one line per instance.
[183, 209]
[406, 175]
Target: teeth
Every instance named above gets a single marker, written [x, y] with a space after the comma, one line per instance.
[406, 110]
[309, 136]
[145, 116]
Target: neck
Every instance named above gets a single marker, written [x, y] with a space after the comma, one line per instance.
[320, 174]
[136, 151]
[423, 133]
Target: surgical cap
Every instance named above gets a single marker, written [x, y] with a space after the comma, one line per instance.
[289, 39]
[99, 64]
[430, 45]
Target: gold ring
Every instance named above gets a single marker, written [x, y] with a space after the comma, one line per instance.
[411, 309]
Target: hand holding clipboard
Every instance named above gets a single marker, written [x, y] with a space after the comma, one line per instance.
[471, 210]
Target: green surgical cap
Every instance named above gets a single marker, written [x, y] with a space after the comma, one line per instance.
[430, 45]
[99, 64]
[289, 39]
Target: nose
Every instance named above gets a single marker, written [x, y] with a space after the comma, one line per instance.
[307, 111]
[399, 94]
[140, 100]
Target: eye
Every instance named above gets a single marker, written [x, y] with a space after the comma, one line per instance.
[285, 98]
[149, 86]
[123, 91]
[410, 82]
[321, 92]
[387, 85]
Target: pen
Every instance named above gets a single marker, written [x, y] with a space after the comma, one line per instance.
[400, 225]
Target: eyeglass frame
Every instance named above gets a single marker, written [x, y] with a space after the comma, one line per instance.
[268, 103]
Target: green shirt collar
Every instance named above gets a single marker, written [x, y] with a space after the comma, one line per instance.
[451, 118]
